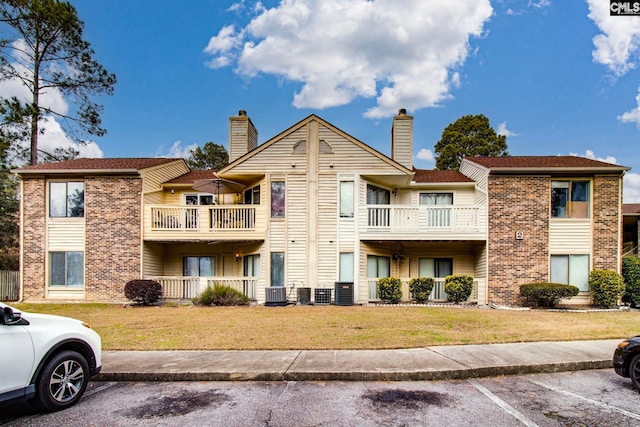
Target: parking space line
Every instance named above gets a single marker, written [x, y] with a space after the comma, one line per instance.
[504, 405]
[593, 402]
[102, 387]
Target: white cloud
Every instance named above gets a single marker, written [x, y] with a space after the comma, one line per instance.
[52, 136]
[425, 155]
[630, 181]
[632, 116]
[52, 98]
[177, 150]
[404, 55]
[540, 4]
[502, 130]
[631, 188]
[618, 45]
[589, 154]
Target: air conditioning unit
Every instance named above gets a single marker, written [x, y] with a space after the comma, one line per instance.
[322, 296]
[344, 293]
[275, 296]
[304, 296]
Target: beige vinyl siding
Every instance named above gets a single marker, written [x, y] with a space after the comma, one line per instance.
[66, 234]
[480, 273]
[350, 157]
[152, 178]
[153, 259]
[481, 177]
[477, 173]
[153, 198]
[297, 220]
[277, 157]
[328, 231]
[570, 236]
[402, 132]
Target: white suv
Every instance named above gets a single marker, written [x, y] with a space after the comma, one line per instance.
[46, 359]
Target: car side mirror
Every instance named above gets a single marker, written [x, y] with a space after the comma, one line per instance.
[9, 317]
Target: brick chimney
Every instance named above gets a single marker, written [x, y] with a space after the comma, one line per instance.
[402, 139]
[243, 135]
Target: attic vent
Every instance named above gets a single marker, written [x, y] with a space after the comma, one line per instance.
[325, 148]
[300, 147]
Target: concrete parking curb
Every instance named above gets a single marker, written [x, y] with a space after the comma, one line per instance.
[430, 363]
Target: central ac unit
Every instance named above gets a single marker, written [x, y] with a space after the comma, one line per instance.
[275, 295]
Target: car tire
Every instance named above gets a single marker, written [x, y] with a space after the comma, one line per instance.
[634, 371]
[62, 382]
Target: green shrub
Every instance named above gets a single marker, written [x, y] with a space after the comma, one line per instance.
[631, 275]
[420, 288]
[143, 291]
[606, 286]
[458, 288]
[221, 295]
[547, 294]
[389, 289]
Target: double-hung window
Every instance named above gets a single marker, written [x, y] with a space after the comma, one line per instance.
[66, 199]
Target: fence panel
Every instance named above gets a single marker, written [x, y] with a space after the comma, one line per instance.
[9, 285]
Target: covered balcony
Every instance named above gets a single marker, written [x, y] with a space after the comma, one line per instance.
[422, 222]
[209, 222]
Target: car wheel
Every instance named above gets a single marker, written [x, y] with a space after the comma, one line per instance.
[63, 380]
[634, 371]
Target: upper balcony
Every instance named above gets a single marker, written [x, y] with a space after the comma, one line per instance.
[410, 222]
[198, 223]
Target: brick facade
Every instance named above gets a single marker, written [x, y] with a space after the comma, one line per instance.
[34, 242]
[517, 204]
[113, 236]
[606, 222]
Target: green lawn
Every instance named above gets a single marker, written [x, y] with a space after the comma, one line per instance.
[333, 327]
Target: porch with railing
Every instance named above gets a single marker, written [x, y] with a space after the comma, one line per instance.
[422, 219]
[437, 293]
[188, 287]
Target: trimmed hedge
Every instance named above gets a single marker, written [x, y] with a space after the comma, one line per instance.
[631, 275]
[420, 288]
[390, 289]
[547, 294]
[607, 287]
[458, 288]
[143, 291]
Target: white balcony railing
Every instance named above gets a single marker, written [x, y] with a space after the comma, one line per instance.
[437, 293]
[203, 218]
[412, 219]
[187, 287]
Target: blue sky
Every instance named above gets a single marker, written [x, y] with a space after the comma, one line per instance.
[557, 77]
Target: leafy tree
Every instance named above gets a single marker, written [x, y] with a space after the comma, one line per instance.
[468, 136]
[210, 156]
[42, 48]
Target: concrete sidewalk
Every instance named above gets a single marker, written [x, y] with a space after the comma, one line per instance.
[429, 363]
